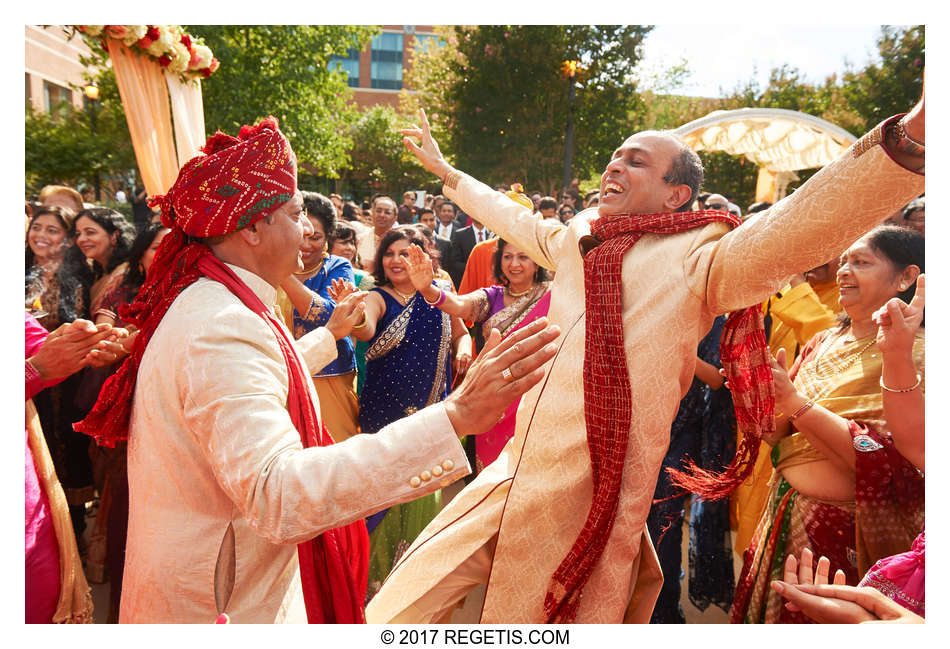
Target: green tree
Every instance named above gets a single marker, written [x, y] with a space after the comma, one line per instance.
[380, 162]
[502, 99]
[62, 149]
[891, 86]
[282, 70]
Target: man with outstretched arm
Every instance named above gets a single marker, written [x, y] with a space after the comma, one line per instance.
[556, 526]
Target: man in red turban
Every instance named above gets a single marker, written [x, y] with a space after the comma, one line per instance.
[229, 463]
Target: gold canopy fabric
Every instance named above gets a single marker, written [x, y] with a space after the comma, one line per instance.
[774, 138]
[779, 141]
[145, 100]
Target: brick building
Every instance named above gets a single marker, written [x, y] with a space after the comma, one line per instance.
[52, 64]
[376, 74]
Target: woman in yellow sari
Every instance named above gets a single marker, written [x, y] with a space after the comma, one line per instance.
[839, 487]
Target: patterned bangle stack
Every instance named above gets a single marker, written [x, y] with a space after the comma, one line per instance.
[906, 143]
[801, 411]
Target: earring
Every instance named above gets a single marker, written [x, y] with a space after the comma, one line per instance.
[901, 286]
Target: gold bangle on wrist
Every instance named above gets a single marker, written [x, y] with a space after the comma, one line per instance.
[361, 324]
[910, 389]
[801, 411]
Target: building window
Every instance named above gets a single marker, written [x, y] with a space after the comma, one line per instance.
[423, 41]
[386, 65]
[54, 95]
[350, 63]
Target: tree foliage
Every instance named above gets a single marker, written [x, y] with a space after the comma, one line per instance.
[282, 70]
[856, 101]
[61, 147]
[500, 100]
[380, 162]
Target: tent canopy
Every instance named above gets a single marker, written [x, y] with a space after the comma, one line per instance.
[774, 138]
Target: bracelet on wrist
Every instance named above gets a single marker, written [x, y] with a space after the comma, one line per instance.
[438, 301]
[362, 322]
[805, 407]
[910, 389]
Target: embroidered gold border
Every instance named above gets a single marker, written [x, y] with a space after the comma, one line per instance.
[392, 336]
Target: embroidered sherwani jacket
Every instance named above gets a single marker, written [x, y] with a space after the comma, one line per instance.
[536, 496]
[220, 486]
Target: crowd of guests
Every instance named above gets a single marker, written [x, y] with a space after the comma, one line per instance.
[842, 477]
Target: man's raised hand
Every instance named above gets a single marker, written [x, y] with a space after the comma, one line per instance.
[427, 151]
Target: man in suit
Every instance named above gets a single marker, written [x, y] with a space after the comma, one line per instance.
[446, 213]
[443, 246]
[462, 243]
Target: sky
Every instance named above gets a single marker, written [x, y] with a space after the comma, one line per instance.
[718, 62]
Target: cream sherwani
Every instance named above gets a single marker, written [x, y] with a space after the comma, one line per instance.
[220, 487]
[536, 496]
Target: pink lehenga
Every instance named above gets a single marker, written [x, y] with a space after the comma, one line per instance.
[493, 314]
[901, 577]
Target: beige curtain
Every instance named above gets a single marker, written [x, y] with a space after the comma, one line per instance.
[188, 114]
[145, 100]
[765, 186]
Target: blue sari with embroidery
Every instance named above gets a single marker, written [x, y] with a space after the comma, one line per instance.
[408, 367]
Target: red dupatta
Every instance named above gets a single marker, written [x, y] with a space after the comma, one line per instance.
[333, 566]
[608, 407]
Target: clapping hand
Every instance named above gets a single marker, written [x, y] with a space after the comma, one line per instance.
[785, 392]
[339, 289]
[65, 350]
[835, 603]
[897, 321]
[349, 312]
[116, 346]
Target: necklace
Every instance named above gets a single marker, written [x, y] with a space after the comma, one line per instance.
[854, 359]
[309, 271]
[519, 294]
[405, 298]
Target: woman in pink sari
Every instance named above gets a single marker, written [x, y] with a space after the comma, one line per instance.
[520, 297]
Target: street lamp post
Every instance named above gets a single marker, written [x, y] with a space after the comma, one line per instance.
[92, 94]
[570, 69]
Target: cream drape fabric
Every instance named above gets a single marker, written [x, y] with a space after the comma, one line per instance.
[774, 138]
[188, 114]
[145, 100]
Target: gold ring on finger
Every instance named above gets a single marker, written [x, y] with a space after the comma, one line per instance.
[506, 374]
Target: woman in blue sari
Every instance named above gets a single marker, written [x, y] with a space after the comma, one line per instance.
[414, 349]
[305, 303]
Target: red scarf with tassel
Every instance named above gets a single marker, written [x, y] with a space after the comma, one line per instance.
[334, 566]
[608, 407]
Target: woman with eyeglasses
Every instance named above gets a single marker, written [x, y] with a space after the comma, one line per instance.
[306, 302]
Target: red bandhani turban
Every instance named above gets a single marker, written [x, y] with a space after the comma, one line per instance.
[238, 181]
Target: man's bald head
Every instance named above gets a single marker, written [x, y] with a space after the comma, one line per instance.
[651, 172]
